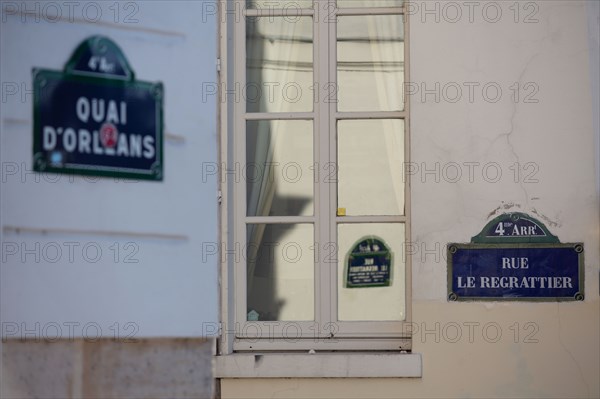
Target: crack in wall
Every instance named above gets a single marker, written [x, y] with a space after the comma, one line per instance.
[511, 130]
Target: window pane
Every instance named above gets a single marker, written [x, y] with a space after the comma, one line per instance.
[279, 64]
[278, 170]
[280, 284]
[370, 160]
[369, 3]
[371, 277]
[370, 66]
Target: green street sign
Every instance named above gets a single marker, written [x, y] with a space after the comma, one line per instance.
[94, 118]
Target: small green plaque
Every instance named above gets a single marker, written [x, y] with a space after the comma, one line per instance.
[369, 263]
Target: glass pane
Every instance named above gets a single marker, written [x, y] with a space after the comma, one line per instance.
[279, 64]
[369, 3]
[371, 277]
[290, 5]
[370, 159]
[278, 170]
[370, 67]
[280, 284]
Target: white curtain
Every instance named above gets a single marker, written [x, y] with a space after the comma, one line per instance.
[390, 55]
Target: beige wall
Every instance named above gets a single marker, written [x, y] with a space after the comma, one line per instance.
[545, 349]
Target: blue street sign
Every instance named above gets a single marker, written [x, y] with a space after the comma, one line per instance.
[542, 271]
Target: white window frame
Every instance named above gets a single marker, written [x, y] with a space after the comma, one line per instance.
[351, 336]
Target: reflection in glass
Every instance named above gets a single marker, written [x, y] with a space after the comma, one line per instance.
[280, 275]
[288, 5]
[279, 64]
[370, 66]
[370, 166]
[278, 170]
[372, 303]
[369, 3]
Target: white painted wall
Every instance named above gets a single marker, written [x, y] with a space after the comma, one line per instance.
[171, 290]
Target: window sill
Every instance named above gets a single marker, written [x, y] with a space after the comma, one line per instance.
[319, 365]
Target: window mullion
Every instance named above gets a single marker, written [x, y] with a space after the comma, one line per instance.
[322, 157]
[331, 71]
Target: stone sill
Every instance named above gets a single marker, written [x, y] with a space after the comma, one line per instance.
[319, 365]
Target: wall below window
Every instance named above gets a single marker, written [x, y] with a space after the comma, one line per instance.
[472, 350]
